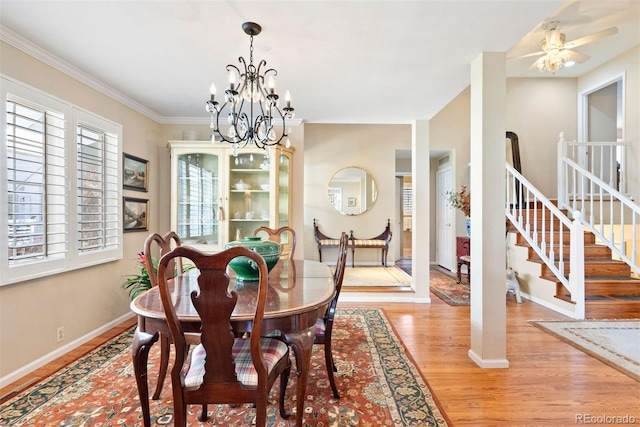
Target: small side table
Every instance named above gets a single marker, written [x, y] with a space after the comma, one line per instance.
[463, 252]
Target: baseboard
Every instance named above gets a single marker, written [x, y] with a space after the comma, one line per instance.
[30, 367]
[488, 363]
[377, 297]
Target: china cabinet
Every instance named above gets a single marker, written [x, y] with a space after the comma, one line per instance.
[217, 198]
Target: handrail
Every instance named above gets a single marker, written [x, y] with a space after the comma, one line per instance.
[530, 211]
[609, 225]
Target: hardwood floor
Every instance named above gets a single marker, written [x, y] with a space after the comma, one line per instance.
[548, 383]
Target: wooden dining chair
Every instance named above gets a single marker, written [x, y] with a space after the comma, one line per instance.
[155, 246]
[324, 326]
[223, 369]
[276, 236]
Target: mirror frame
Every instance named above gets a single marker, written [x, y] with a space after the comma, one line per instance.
[350, 201]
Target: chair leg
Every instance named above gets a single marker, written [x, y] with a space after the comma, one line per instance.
[179, 412]
[284, 380]
[459, 274]
[261, 412]
[203, 415]
[331, 367]
[164, 362]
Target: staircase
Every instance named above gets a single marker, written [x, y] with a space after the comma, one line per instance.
[610, 290]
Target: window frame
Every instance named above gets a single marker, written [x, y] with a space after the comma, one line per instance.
[72, 258]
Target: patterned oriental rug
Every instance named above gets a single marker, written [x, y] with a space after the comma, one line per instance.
[443, 284]
[379, 384]
[614, 342]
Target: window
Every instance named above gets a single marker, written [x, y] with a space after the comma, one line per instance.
[51, 225]
[407, 199]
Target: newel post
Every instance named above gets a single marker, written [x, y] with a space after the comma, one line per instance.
[576, 260]
[562, 154]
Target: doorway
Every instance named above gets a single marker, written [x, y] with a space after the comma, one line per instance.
[602, 120]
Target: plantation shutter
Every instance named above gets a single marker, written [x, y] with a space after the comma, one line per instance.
[98, 196]
[37, 196]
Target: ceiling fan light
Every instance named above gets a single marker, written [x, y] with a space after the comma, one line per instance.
[569, 63]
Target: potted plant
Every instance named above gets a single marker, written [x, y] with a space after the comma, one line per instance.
[138, 283]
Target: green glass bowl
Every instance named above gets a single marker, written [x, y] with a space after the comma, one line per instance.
[244, 267]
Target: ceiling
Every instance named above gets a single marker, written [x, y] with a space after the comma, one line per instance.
[343, 61]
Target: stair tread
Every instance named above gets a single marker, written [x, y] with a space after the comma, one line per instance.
[620, 280]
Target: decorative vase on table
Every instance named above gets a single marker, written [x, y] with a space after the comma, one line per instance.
[245, 268]
[468, 226]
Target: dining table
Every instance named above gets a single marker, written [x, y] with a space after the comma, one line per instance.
[299, 293]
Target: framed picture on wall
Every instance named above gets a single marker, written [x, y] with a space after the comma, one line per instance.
[135, 214]
[351, 202]
[135, 173]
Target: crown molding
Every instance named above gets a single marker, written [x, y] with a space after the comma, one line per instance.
[14, 39]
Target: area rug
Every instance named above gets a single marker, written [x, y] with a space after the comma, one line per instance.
[444, 285]
[375, 276]
[615, 342]
[379, 384]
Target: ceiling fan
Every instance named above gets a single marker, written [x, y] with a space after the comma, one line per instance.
[557, 51]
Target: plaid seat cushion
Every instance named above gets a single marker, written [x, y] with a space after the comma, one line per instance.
[369, 242]
[465, 258]
[329, 242]
[273, 351]
[320, 327]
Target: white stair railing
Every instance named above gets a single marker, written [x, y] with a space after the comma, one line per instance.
[606, 160]
[607, 212]
[548, 231]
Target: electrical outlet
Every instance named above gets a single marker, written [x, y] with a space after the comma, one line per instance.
[60, 334]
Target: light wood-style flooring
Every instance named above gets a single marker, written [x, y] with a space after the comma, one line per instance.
[548, 383]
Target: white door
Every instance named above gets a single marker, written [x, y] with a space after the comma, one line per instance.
[444, 220]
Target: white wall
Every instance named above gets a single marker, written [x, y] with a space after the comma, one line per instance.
[329, 148]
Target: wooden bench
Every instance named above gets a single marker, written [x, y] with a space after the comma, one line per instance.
[379, 242]
[323, 240]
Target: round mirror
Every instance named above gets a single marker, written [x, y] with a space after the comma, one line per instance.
[352, 191]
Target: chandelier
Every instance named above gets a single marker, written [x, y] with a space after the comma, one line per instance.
[251, 109]
[553, 60]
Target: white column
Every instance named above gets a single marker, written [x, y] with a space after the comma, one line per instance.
[420, 236]
[488, 280]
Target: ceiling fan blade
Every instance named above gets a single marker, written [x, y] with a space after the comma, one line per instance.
[592, 37]
[577, 56]
[528, 55]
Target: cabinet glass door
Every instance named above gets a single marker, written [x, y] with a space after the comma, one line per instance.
[198, 198]
[284, 202]
[249, 188]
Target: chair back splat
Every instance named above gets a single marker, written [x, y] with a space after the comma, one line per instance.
[222, 369]
[276, 236]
